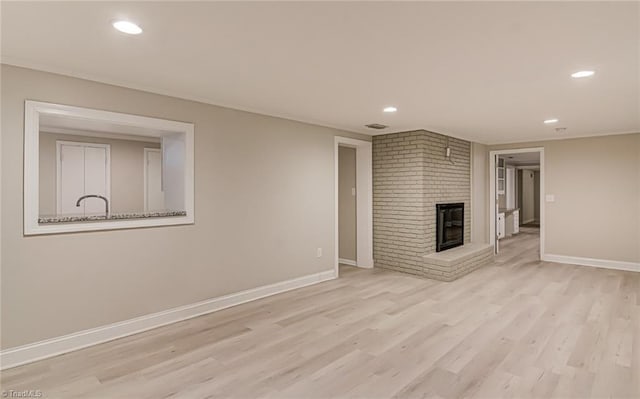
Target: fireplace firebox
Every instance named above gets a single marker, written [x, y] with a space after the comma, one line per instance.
[449, 226]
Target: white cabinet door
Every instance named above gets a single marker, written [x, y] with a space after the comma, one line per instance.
[95, 179]
[516, 221]
[83, 169]
[501, 225]
[70, 179]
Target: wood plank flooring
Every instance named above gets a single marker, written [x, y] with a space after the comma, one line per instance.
[516, 328]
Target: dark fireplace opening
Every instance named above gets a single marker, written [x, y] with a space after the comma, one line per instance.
[449, 226]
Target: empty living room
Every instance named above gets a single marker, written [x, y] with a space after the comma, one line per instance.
[319, 199]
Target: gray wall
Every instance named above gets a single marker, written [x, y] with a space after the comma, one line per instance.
[127, 171]
[480, 193]
[264, 201]
[411, 175]
[347, 203]
[596, 184]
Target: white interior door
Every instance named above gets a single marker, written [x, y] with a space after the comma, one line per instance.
[83, 169]
[153, 193]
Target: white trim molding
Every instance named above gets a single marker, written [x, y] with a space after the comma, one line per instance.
[364, 200]
[17, 356]
[602, 263]
[140, 125]
[347, 262]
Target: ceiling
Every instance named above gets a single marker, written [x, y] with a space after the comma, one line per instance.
[522, 158]
[487, 72]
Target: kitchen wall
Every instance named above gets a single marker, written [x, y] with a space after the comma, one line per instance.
[596, 185]
[347, 203]
[509, 185]
[127, 171]
[264, 203]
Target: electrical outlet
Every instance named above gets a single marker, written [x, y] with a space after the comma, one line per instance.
[319, 253]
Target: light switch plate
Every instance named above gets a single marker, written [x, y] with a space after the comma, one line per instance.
[550, 198]
[353, 191]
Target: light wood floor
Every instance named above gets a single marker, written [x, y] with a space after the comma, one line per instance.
[517, 328]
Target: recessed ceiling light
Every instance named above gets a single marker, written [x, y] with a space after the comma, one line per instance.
[127, 27]
[582, 74]
[550, 121]
[389, 109]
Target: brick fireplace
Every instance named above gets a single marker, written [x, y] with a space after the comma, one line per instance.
[411, 174]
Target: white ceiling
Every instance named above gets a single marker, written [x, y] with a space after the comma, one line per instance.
[488, 72]
[522, 158]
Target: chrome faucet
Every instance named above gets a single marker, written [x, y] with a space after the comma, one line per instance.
[106, 203]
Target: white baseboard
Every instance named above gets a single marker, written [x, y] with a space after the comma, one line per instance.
[347, 262]
[17, 356]
[603, 263]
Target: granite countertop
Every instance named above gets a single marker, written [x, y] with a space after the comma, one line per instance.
[505, 210]
[113, 216]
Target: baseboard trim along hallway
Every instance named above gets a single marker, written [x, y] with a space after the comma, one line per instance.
[348, 262]
[20, 355]
[603, 263]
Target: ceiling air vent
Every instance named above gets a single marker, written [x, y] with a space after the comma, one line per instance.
[376, 126]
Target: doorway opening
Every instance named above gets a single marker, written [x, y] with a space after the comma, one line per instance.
[347, 248]
[353, 203]
[517, 202]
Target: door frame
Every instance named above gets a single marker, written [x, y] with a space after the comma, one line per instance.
[493, 196]
[59, 144]
[145, 165]
[364, 201]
